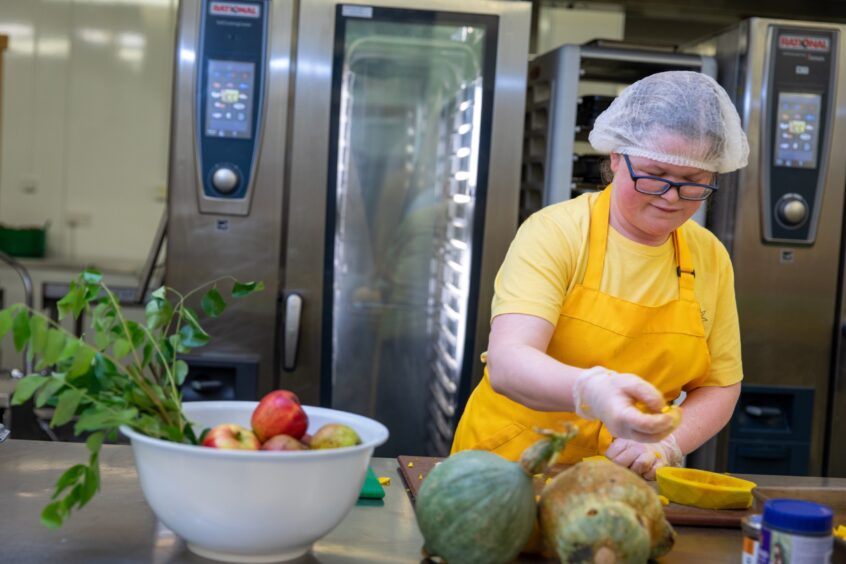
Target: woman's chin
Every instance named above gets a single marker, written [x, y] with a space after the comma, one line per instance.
[664, 225]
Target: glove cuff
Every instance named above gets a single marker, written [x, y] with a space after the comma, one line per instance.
[673, 452]
[580, 396]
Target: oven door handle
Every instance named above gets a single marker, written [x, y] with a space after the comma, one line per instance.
[763, 411]
[293, 314]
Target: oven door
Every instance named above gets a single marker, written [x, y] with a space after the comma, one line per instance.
[392, 177]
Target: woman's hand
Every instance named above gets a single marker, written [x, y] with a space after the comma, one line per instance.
[706, 411]
[645, 458]
[599, 393]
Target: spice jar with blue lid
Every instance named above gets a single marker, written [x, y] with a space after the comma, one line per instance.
[751, 527]
[795, 532]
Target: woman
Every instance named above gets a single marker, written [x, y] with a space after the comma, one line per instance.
[614, 299]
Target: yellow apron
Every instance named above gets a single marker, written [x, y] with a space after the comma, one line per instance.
[664, 344]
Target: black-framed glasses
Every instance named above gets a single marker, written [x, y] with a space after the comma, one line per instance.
[656, 186]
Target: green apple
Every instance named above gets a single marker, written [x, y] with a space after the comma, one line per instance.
[334, 435]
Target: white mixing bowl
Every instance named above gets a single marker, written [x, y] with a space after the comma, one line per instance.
[252, 506]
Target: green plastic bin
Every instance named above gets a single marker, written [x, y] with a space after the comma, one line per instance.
[23, 241]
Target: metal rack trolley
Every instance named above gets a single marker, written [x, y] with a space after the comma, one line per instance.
[552, 103]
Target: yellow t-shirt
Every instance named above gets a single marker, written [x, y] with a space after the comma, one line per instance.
[548, 257]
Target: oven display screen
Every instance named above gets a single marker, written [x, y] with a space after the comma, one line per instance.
[797, 130]
[229, 99]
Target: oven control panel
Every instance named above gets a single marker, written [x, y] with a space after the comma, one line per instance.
[800, 78]
[229, 86]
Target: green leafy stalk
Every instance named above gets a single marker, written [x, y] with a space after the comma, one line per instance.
[120, 373]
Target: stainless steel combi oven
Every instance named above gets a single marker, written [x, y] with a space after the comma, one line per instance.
[362, 160]
[781, 218]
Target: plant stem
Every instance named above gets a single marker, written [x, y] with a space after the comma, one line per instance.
[138, 364]
[91, 398]
[183, 299]
[168, 373]
[209, 283]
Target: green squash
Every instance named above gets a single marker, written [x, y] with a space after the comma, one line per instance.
[477, 507]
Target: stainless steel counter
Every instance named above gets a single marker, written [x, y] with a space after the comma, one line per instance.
[118, 526]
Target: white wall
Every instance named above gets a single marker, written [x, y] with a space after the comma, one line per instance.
[558, 25]
[86, 113]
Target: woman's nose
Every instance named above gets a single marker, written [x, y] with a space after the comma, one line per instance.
[671, 195]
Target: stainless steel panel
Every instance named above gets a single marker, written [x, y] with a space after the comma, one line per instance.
[304, 251]
[731, 52]
[837, 419]
[786, 295]
[504, 171]
[563, 95]
[128, 532]
[205, 247]
[306, 259]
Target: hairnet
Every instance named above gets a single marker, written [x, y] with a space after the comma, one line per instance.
[677, 117]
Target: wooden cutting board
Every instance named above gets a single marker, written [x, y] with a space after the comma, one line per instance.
[414, 470]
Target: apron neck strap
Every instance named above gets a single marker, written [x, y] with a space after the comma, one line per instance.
[598, 239]
[684, 270]
[598, 242]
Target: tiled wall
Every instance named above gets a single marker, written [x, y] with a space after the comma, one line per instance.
[86, 113]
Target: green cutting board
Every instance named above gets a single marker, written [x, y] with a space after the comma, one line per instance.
[371, 489]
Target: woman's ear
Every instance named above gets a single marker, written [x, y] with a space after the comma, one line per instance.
[615, 162]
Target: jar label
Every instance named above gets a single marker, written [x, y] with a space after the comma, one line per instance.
[750, 551]
[777, 547]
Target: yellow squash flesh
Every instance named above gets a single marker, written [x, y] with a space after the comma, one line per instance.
[707, 490]
[673, 411]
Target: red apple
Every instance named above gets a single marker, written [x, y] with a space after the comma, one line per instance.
[279, 413]
[290, 394]
[231, 436]
[283, 442]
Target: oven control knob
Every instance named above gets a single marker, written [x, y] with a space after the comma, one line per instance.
[792, 210]
[225, 180]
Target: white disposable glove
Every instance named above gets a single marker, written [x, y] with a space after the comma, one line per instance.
[645, 458]
[610, 396]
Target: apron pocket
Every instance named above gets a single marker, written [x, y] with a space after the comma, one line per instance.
[500, 441]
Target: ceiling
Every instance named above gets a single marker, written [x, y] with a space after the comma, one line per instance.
[679, 22]
[825, 10]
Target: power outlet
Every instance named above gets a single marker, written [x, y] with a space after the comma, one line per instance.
[77, 218]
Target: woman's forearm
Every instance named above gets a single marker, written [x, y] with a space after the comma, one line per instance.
[520, 369]
[532, 378]
[706, 410]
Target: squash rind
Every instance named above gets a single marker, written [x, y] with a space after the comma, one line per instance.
[476, 507]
